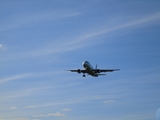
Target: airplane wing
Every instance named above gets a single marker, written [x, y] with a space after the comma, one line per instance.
[105, 70]
[78, 71]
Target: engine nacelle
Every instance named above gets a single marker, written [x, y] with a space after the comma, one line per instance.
[79, 71]
[98, 71]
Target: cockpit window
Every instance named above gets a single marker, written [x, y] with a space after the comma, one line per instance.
[86, 61]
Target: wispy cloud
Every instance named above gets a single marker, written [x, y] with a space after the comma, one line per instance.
[2, 47]
[136, 22]
[27, 75]
[158, 114]
[85, 39]
[57, 114]
[108, 101]
[13, 108]
[22, 93]
[16, 77]
[78, 42]
[74, 100]
[12, 95]
[31, 106]
[135, 116]
[67, 109]
[33, 18]
[22, 118]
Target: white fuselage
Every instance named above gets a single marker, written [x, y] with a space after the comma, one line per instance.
[88, 67]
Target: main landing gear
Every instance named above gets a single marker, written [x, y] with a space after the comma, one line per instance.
[84, 75]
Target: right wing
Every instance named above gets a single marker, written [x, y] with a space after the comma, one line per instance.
[105, 70]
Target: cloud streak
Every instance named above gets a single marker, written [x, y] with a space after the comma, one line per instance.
[2, 47]
[31, 106]
[16, 77]
[57, 114]
[83, 40]
[140, 21]
[108, 101]
[22, 118]
[67, 109]
[13, 108]
[29, 19]
[27, 75]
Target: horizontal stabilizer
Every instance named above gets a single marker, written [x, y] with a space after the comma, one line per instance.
[101, 74]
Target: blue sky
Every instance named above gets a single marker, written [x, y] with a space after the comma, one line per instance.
[40, 39]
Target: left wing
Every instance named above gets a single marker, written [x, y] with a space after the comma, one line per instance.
[78, 71]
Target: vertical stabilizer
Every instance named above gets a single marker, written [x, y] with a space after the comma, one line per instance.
[96, 67]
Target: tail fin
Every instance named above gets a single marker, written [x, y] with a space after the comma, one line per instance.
[96, 67]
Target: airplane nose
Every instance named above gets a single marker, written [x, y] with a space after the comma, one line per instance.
[83, 64]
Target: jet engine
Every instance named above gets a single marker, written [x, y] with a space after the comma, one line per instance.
[98, 71]
[79, 71]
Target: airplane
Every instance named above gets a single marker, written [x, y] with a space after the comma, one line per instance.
[91, 71]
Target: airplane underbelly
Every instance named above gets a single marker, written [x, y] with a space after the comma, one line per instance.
[90, 72]
[89, 69]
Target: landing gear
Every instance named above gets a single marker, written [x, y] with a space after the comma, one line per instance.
[84, 75]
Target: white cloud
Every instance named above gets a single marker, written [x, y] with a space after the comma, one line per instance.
[15, 77]
[19, 118]
[57, 114]
[27, 75]
[158, 114]
[13, 108]
[40, 115]
[67, 109]
[108, 101]
[81, 41]
[2, 47]
[84, 39]
[33, 18]
[144, 20]
[31, 106]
